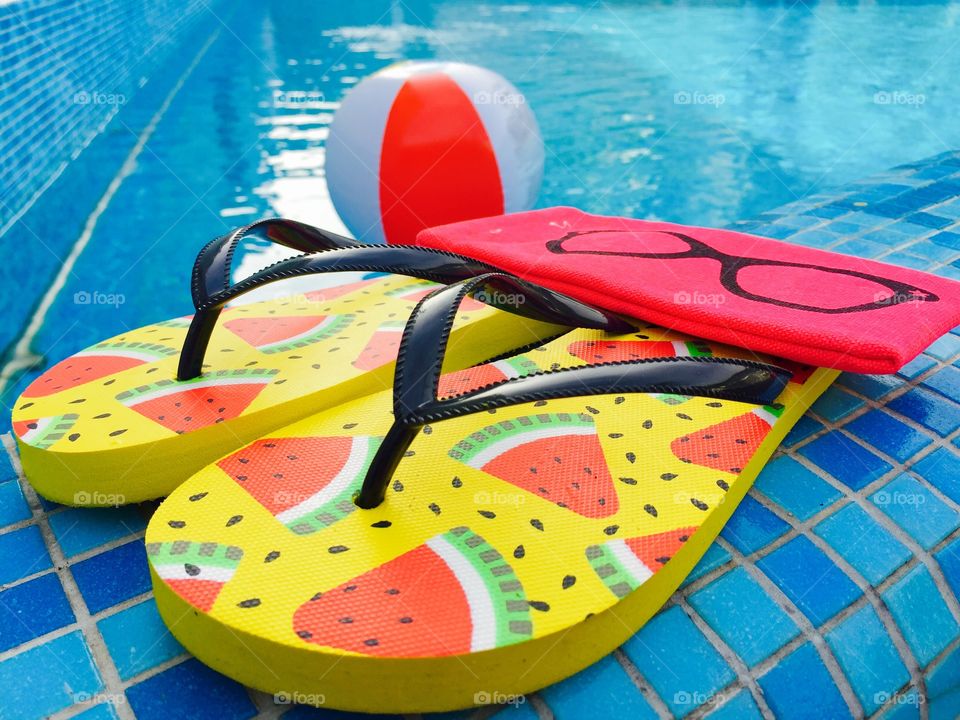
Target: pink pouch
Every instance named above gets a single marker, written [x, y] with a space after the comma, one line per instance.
[807, 305]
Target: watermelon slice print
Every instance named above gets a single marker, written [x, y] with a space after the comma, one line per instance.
[198, 403]
[454, 594]
[306, 483]
[94, 363]
[555, 456]
[728, 445]
[463, 381]
[282, 334]
[415, 292]
[195, 571]
[44, 432]
[332, 293]
[624, 565]
[382, 346]
[605, 351]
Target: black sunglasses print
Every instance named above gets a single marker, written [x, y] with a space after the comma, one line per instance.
[731, 265]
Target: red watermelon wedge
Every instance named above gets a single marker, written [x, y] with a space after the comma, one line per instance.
[556, 456]
[728, 445]
[306, 483]
[195, 571]
[382, 346]
[332, 293]
[194, 404]
[281, 334]
[463, 381]
[454, 594]
[624, 565]
[606, 351]
[94, 363]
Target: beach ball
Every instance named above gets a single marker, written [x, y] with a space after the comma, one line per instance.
[420, 144]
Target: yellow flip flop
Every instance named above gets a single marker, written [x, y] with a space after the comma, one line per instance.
[502, 528]
[131, 417]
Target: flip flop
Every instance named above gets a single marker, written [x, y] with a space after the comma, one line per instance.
[504, 527]
[130, 418]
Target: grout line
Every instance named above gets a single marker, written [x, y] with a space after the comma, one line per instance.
[642, 684]
[22, 356]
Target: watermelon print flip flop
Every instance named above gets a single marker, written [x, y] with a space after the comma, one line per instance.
[489, 530]
[131, 417]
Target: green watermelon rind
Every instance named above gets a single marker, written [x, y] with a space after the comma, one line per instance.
[324, 331]
[618, 579]
[153, 351]
[337, 507]
[507, 598]
[206, 554]
[52, 430]
[467, 449]
[144, 393]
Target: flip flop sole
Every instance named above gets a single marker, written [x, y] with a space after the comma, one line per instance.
[514, 548]
[112, 425]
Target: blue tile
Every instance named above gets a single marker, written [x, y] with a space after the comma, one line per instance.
[905, 259]
[941, 468]
[714, 557]
[752, 527]
[871, 386]
[104, 711]
[677, 660]
[137, 639]
[13, 507]
[81, 529]
[603, 689]
[810, 579]
[946, 380]
[744, 616]
[889, 435]
[32, 609]
[850, 463]
[943, 690]
[916, 367]
[929, 409]
[860, 248]
[816, 697]
[190, 690]
[795, 488]
[114, 576]
[835, 404]
[740, 707]
[514, 711]
[921, 613]
[931, 252]
[815, 238]
[947, 239]
[868, 658]
[949, 560]
[804, 428]
[22, 553]
[917, 510]
[32, 690]
[929, 220]
[944, 347]
[863, 542]
[7, 473]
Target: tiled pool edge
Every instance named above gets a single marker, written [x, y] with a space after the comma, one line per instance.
[692, 611]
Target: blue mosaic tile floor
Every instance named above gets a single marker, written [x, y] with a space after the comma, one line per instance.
[833, 592]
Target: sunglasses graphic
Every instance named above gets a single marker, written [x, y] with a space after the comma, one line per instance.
[886, 292]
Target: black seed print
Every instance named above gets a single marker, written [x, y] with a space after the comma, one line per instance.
[699, 504]
[650, 509]
[251, 603]
[406, 620]
[371, 642]
[334, 549]
[177, 524]
[304, 634]
[537, 524]
[540, 403]
[271, 556]
[73, 437]
[668, 476]
[349, 426]
[684, 416]
[722, 484]
[118, 432]
[393, 591]
[647, 424]
[191, 570]
[101, 416]
[538, 605]
[611, 530]
[382, 524]
[619, 399]
[615, 436]
[519, 552]
[628, 480]
[568, 581]
[234, 520]
[457, 482]
[434, 508]
[489, 514]
[397, 486]
[714, 404]
[346, 620]
[198, 496]
[592, 410]
[631, 457]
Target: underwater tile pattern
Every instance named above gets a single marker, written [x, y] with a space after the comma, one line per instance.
[842, 567]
